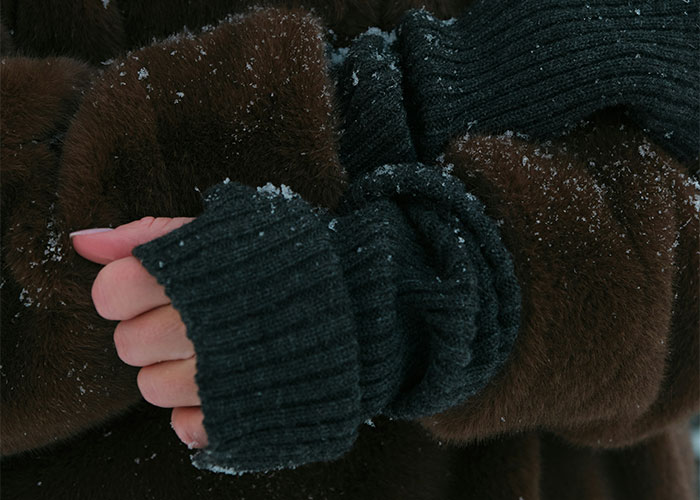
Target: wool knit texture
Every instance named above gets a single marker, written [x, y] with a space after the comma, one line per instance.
[535, 67]
[307, 325]
[405, 303]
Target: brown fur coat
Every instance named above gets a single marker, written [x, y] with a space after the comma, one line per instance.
[604, 234]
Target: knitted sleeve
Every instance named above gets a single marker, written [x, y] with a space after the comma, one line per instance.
[535, 67]
[306, 325]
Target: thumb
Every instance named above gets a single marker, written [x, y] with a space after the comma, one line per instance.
[104, 246]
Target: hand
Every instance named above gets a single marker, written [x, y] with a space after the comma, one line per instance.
[150, 332]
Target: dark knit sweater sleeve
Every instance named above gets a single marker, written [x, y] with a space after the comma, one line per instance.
[306, 325]
[541, 67]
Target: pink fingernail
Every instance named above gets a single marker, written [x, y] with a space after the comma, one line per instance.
[91, 231]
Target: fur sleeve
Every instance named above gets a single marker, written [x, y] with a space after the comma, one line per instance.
[603, 228]
[96, 30]
[58, 376]
[142, 138]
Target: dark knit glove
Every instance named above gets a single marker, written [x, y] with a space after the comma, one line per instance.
[534, 67]
[306, 325]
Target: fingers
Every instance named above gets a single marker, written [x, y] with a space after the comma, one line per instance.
[156, 336]
[104, 246]
[124, 289]
[151, 333]
[169, 384]
[189, 427]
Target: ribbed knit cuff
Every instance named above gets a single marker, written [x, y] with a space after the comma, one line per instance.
[434, 288]
[260, 290]
[305, 326]
[540, 67]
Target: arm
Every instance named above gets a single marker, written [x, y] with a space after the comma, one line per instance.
[603, 228]
[541, 67]
[306, 325]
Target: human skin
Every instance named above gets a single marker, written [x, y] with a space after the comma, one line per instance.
[150, 333]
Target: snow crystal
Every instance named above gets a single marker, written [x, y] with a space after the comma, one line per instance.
[696, 201]
[447, 169]
[339, 55]
[638, 12]
[287, 192]
[224, 470]
[105, 3]
[180, 94]
[143, 73]
[645, 150]
[25, 298]
[389, 37]
[385, 170]
[332, 224]
[355, 79]
[53, 250]
[270, 190]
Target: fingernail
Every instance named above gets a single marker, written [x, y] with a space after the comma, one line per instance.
[90, 231]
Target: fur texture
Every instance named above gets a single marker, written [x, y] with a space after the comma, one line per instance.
[604, 234]
[94, 31]
[82, 29]
[590, 405]
[58, 377]
[7, 47]
[135, 147]
[199, 109]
